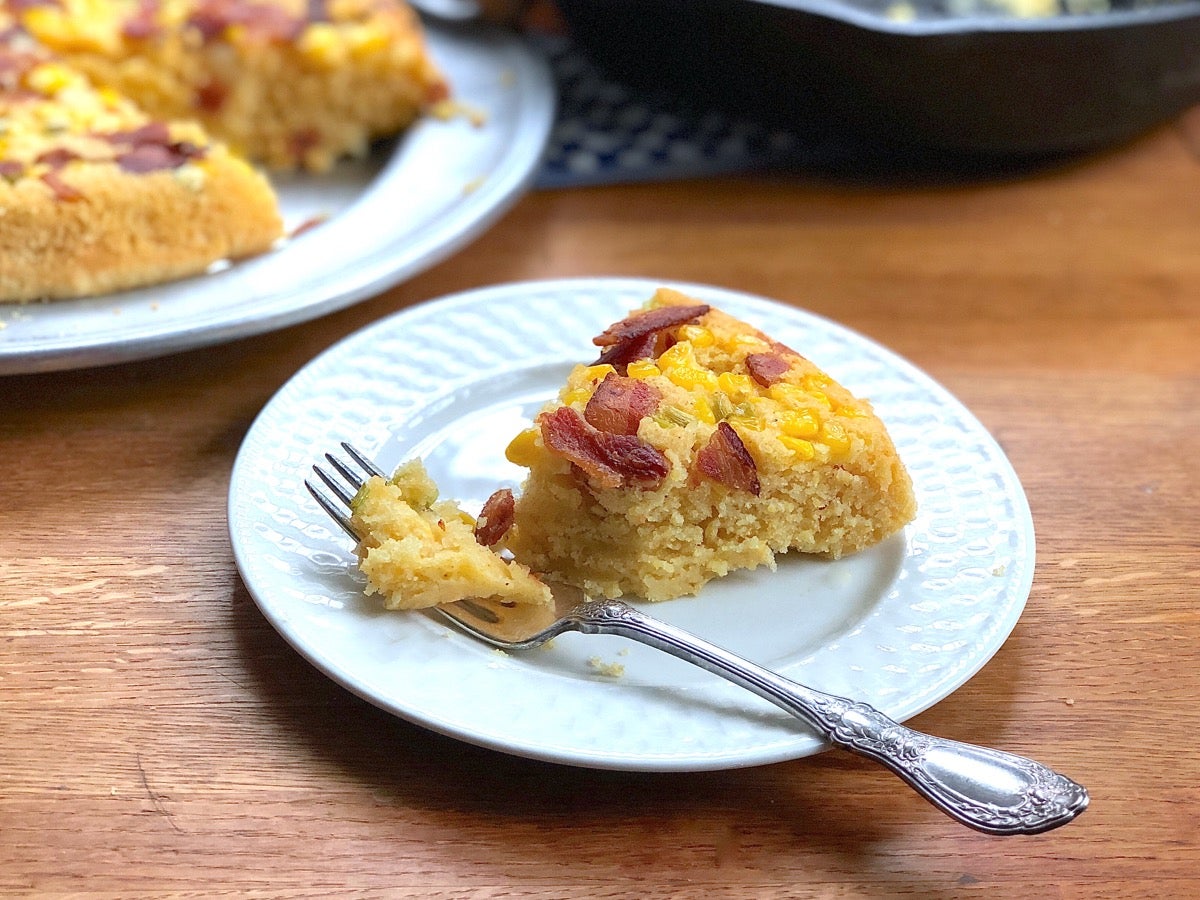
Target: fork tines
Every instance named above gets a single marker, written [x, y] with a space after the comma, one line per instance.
[327, 503]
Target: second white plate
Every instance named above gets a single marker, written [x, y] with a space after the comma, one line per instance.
[389, 217]
[899, 626]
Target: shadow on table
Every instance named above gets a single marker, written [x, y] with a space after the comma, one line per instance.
[761, 820]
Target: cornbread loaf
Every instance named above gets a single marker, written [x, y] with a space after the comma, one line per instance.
[122, 124]
[696, 445]
[418, 551]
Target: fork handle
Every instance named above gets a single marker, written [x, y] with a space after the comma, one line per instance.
[989, 790]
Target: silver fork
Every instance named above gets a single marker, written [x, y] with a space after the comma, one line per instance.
[989, 790]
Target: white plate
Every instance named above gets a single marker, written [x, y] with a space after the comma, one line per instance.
[391, 216]
[899, 626]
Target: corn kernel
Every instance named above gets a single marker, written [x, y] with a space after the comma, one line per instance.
[690, 377]
[801, 448]
[522, 449]
[642, 368]
[578, 395]
[367, 40]
[704, 411]
[747, 342]
[49, 79]
[834, 436]
[788, 395]
[816, 381]
[696, 335]
[821, 398]
[745, 423]
[598, 373]
[677, 355]
[737, 386]
[852, 412]
[321, 44]
[799, 423]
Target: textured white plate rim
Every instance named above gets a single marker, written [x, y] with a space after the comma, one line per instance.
[1015, 580]
[531, 86]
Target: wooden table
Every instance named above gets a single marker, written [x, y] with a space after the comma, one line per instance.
[158, 737]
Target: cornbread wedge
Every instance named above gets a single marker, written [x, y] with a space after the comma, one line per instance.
[95, 196]
[123, 124]
[695, 446]
[417, 551]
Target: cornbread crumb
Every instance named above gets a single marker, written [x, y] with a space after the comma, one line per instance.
[417, 551]
[607, 669]
[733, 448]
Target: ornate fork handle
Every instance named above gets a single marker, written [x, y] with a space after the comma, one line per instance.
[989, 790]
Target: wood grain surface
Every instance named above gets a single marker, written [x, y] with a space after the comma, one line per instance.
[158, 738]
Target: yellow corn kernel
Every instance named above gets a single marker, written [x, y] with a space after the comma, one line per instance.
[737, 386]
[852, 412]
[799, 423]
[690, 377]
[801, 448]
[522, 449]
[816, 381]
[820, 397]
[788, 395]
[598, 373]
[322, 44]
[704, 411]
[642, 368]
[50, 78]
[747, 342]
[834, 436]
[677, 355]
[578, 395]
[696, 335]
[367, 40]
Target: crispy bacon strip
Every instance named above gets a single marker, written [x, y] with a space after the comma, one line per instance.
[150, 133]
[651, 321]
[495, 518]
[609, 460]
[62, 190]
[143, 23]
[639, 336]
[619, 404]
[11, 169]
[726, 460]
[211, 96]
[271, 23]
[766, 368]
[57, 158]
[153, 157]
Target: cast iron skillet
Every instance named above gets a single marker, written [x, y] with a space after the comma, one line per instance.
[987, 85]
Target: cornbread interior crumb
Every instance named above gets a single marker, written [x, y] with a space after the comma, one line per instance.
[418, 551]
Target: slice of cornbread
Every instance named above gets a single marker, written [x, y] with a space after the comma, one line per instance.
[95, 196]
[417, 551]
[289, 83]
[695, 446]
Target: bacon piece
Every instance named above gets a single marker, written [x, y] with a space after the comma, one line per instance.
[619, 356]
[154, 157]
[150, 133]
[767, 368]
[609, 460]
[10, 169]
[651, 321]
[317, 10]
[211, 96]
[640, 335]
[143, 23]
[495, 518]
[619, 404]
[726, 460]
[57, 158]
[271, 23]
[62, 190]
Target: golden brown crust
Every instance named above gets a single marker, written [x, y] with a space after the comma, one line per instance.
[128, 230]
